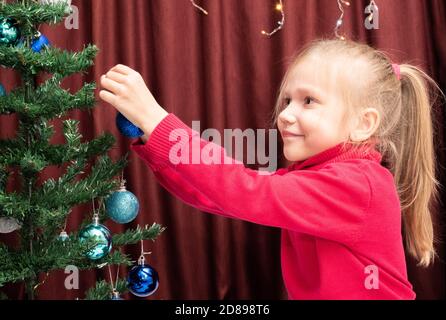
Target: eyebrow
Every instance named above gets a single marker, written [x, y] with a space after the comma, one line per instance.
[307, 89]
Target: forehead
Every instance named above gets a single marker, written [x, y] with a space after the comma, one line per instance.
[312, 76]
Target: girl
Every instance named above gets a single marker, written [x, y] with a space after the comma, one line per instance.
[342, 109]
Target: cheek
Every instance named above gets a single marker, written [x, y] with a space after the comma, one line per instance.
[321, 126]
[312, 121]
[323, 120]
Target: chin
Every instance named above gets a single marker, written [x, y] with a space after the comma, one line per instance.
[293, 156]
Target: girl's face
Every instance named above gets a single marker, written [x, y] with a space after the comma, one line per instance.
[311, 118]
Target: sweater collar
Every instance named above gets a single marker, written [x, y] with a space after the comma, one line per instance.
[341, 151]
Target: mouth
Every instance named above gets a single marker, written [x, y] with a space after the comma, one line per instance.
[287, 134]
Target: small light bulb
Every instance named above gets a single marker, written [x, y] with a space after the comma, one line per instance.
[278, 7]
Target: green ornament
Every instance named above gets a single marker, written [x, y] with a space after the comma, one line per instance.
[9, 32]
[101, 235]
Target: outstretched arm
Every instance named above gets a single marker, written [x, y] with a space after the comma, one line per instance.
[330, 203]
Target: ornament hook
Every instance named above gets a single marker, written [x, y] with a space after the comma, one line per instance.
[142, 259]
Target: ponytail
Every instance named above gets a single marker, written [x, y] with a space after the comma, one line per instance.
[414, 164]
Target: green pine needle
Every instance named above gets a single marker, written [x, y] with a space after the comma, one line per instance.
[43, 207]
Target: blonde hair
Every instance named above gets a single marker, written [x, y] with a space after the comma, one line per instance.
[364, 77]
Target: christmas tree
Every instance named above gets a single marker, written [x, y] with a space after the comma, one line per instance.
[38, 210]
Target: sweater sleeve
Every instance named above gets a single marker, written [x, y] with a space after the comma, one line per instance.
[329, 203]
[180, 187]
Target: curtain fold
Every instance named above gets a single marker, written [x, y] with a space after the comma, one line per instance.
[221, 70]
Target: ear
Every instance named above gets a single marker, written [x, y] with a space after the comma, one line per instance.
[366, 125]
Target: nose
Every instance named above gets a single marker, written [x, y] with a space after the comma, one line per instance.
[287, 117]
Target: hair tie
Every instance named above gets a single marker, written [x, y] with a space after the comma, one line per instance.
[397, 70]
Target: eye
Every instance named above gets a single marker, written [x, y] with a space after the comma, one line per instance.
[308, 100]
[286, 101]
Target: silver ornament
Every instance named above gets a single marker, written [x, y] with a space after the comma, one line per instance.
[8, 225]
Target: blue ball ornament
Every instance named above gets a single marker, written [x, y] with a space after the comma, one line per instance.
[127, 128]
[122, 206]
[102, 237]
[2, 91]
[40, 42]
[142, 280]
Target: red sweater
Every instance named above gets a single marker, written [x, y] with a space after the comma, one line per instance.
[338, 210]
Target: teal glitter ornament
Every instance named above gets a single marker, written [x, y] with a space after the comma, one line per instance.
[9, 32]
[2, 90]
[102, 237]
[122, 206]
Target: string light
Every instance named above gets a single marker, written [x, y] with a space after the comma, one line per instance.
[341, 4]
[281, 23]
[198, 7]
[375, 8]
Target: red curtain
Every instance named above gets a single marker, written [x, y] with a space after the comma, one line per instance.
[221, 70]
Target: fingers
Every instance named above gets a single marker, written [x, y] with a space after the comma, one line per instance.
[111, 85]
[120, 68]
[107, 97]
[115, 76]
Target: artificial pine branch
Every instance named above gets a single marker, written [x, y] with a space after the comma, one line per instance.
[13, 205]
[48, 102]
[12, 151]
[103, 290]
[51, 60]
[135, 236]
[34, 13]
[57, 255]
[4, 175]
[42, 208]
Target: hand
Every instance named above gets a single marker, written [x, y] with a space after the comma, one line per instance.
[126, 90]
